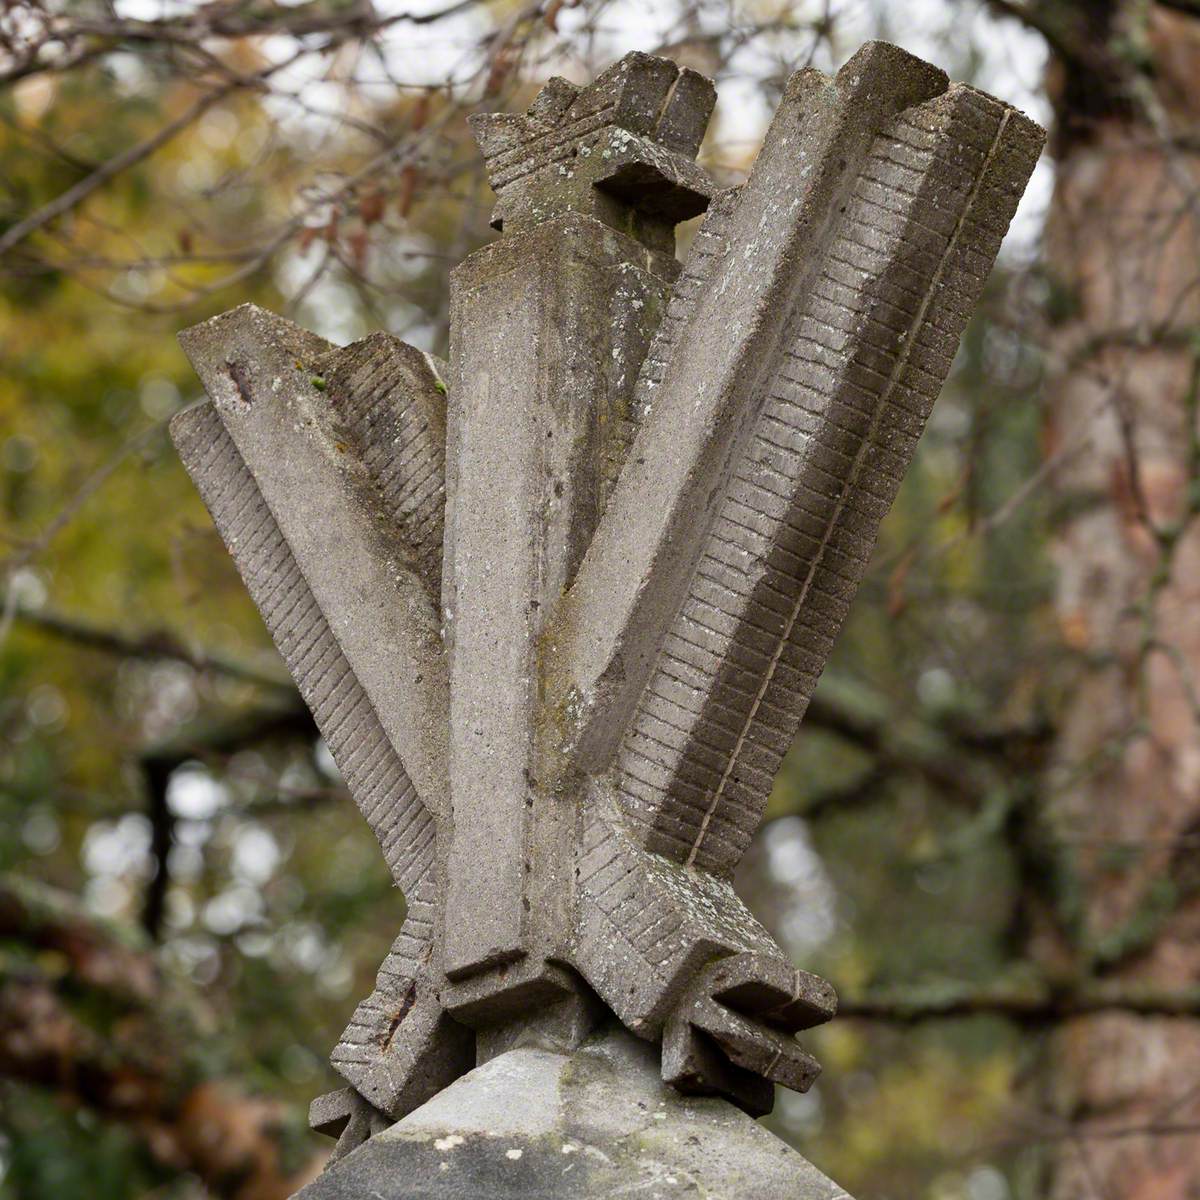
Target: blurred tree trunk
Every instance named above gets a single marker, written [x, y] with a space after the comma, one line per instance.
[1123, 799]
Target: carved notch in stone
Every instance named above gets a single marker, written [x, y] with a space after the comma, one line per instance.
[621, 150]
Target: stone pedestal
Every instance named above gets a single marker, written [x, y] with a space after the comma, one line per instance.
[598, 1122]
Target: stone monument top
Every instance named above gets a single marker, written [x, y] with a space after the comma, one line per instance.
[558, 605]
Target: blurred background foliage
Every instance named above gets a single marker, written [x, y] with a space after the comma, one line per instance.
[219, 906]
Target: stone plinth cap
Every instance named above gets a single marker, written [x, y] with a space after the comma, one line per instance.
[594, 1123]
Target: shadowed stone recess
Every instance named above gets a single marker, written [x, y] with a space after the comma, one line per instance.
[558, 605]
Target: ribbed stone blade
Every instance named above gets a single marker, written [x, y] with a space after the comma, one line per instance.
[394, 1061]
[544, 367]
[758, 252]
[261, 373]
[837, 416]
[401, 1047]
[645, 925]
[370, 766]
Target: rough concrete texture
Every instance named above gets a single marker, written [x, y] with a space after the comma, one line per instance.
[559, 607]
[834, 413]
[595, 1123]
[387, 405]
[785, 1000]
[347, 1116]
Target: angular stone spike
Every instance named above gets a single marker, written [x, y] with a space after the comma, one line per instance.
[644, 926]
[837, 415]
[372, 770]
[723, 325]
[401, 1047]
[755, 1047]
[551, 103]
[696, 767]
[346, 1116]
[544, 365]
[329, 1113]
[620, 150]
[695, 1065]
[685, 116]
[387, 404]
[259, 371]
[341, 708]
[773, 991]
[733, 1030]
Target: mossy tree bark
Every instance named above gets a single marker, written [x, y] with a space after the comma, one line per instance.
[1122, 798]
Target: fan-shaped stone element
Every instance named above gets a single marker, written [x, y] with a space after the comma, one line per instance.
[559, 607]
[353, 463]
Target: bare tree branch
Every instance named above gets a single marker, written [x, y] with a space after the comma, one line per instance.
[1191, 7]
[77, 193]
[1030, 1003]
[1033, 17]
[160, 644]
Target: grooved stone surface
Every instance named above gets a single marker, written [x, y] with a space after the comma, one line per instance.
[388, 403]
[597, 1123]
[620, 150]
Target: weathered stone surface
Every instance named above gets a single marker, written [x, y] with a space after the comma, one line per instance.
[346, 1116]
[596, 1123]
[261, 373]
[836, 412]
[750, 1006]
[699, 381]
[540, 392]
[387, 404]
[645, 925]
[560, 625]
[401, 1046]
[545, 360]
[560, 1026]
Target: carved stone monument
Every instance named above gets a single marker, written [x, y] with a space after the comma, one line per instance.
[559, 605]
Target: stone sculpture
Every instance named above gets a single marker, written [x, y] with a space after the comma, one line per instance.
[558, 606]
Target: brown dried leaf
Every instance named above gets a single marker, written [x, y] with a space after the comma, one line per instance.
[371, 207]
[407, 189]
[897, 598]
